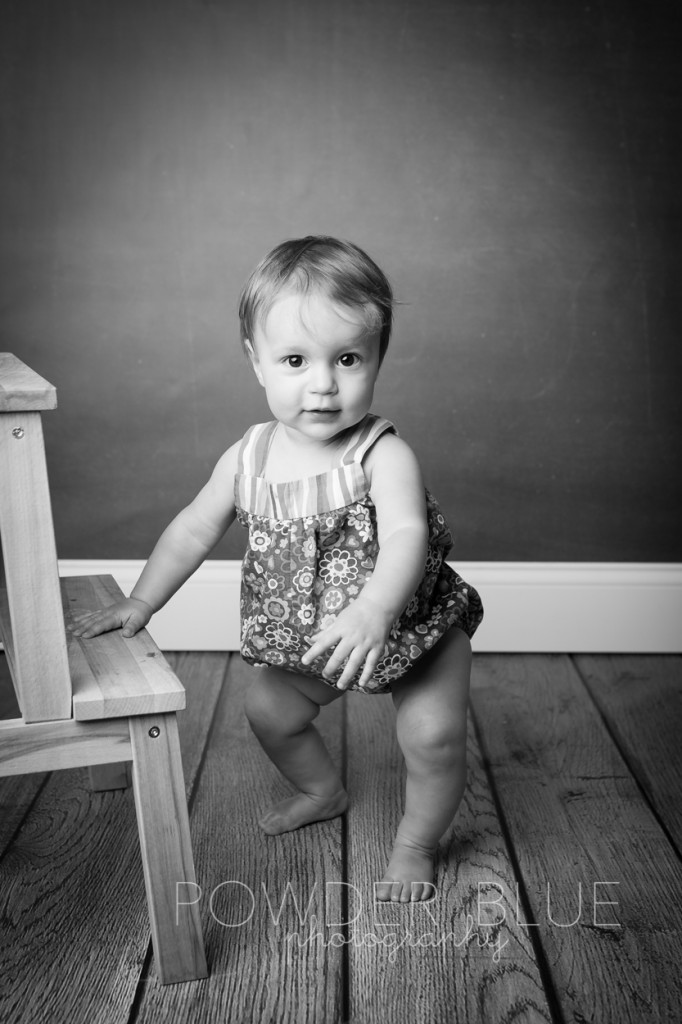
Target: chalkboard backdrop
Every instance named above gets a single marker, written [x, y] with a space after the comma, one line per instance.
[513, 166]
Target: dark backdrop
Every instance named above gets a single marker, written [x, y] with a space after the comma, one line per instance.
[512, 165]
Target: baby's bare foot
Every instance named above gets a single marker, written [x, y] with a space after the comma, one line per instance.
[303, 809]
[409, 875]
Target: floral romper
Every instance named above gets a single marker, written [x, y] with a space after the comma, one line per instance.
[312, 547]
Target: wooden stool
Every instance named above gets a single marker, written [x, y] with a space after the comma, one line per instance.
[95, 702]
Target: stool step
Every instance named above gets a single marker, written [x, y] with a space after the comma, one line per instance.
[114, 676]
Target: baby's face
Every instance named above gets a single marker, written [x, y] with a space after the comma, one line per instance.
[318, 363]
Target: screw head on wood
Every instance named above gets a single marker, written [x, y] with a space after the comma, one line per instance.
[18, 432]
[154, 732]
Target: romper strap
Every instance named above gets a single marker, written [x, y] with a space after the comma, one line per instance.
[254, 448]
[367, 433]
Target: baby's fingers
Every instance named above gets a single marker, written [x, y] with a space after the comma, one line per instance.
[133, 625]
[83, 623]
[91, 624]
[342, 650]
[351, 660]
[371, 663]
[318, 645]
[344, 657]
[359, 659]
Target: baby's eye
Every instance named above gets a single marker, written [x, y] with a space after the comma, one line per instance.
[348, 359]
[294, 361]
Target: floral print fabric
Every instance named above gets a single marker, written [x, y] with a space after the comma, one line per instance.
[299, 573]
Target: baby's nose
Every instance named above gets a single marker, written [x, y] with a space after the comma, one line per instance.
[323, 380]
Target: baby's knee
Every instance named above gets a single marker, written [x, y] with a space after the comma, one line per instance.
[261, 706]
[438, 741]
[276, 709]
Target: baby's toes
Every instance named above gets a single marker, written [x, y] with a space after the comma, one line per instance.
[395, 891]
[422, 891]
[383, 889]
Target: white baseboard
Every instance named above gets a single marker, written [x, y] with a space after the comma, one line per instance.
[530, 607]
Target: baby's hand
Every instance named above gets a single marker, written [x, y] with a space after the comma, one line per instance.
[131, 614]
[358, 634]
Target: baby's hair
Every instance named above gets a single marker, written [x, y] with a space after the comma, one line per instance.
[341, 270]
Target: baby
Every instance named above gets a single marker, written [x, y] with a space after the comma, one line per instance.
[344, 583]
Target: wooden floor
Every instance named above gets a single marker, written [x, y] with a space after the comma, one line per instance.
[560, 884]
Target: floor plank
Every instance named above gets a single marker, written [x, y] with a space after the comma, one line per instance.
[461, 965]
[576, 817]
[202, 674]
[560, 796]
[73, 895]
[640, 698]
[73, 891]
[8, 701]
[268, 892]
[17, 793]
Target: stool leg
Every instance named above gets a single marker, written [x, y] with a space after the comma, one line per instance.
[36, 640]
[163, 824]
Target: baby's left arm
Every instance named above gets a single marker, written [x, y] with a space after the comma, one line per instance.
[360, 631]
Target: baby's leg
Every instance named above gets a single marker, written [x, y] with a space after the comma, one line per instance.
[431, 704]
[280, 707]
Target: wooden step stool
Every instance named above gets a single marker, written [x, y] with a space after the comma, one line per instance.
[97, 702]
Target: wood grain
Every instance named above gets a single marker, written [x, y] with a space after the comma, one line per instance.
[48, 746]
[564, 806]
[75, 933]
[163, 828]
[113, 675]
[461, 964]
[264, 888]
[581, 833]
[37, 647]
[17, 793]
[640, 698]
[117, 775]
[21, 389]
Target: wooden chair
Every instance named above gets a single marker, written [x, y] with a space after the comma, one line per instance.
[96, 702]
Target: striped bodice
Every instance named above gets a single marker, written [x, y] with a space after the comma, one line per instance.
[297, 499]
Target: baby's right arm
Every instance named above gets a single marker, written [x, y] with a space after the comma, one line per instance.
[180, 550]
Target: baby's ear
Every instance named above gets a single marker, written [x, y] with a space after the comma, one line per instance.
[251, 352]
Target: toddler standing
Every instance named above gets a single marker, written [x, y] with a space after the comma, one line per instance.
[344, 583]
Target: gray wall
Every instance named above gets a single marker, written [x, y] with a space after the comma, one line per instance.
[511, 165]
